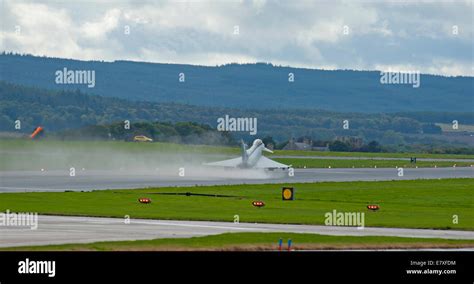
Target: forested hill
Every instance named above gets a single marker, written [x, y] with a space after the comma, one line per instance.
[254, 86]
[57, 110]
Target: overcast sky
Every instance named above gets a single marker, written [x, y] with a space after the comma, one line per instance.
[430, 36]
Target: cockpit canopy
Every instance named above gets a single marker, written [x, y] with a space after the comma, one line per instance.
[257, 142]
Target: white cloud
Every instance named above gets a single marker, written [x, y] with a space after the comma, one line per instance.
[296, 33]
[44, 31]
[436, 66]
[99, 29]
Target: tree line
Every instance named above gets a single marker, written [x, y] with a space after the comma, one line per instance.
[61, 110]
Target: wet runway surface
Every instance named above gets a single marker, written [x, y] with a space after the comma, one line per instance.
[26, 181]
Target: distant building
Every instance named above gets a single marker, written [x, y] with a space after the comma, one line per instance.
[270, 146]
[355, 142]
[293, 145]
[306, 145]
[322, 149]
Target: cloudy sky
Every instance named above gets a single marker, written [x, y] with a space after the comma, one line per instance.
[430, 36]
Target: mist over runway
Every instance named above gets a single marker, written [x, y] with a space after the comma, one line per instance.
[57, 180]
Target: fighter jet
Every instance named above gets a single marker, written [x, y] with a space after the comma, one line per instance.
[251, 158]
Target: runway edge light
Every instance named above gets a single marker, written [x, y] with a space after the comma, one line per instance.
[144, 200]
[373, 207]
[287, 193]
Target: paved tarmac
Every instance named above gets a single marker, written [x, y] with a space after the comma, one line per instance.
[64, 229]
[27, 181]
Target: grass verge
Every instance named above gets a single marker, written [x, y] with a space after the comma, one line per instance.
[257, 242]
[440, 204]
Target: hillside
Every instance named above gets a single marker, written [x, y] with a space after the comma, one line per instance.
[248, 86]
[59, 110]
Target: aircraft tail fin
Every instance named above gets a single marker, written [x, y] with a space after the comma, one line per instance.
[243, 149]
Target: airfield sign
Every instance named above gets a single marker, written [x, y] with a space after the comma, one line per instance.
[287, 193]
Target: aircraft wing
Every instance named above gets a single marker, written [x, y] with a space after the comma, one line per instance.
[231, 163]
[266, 163]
